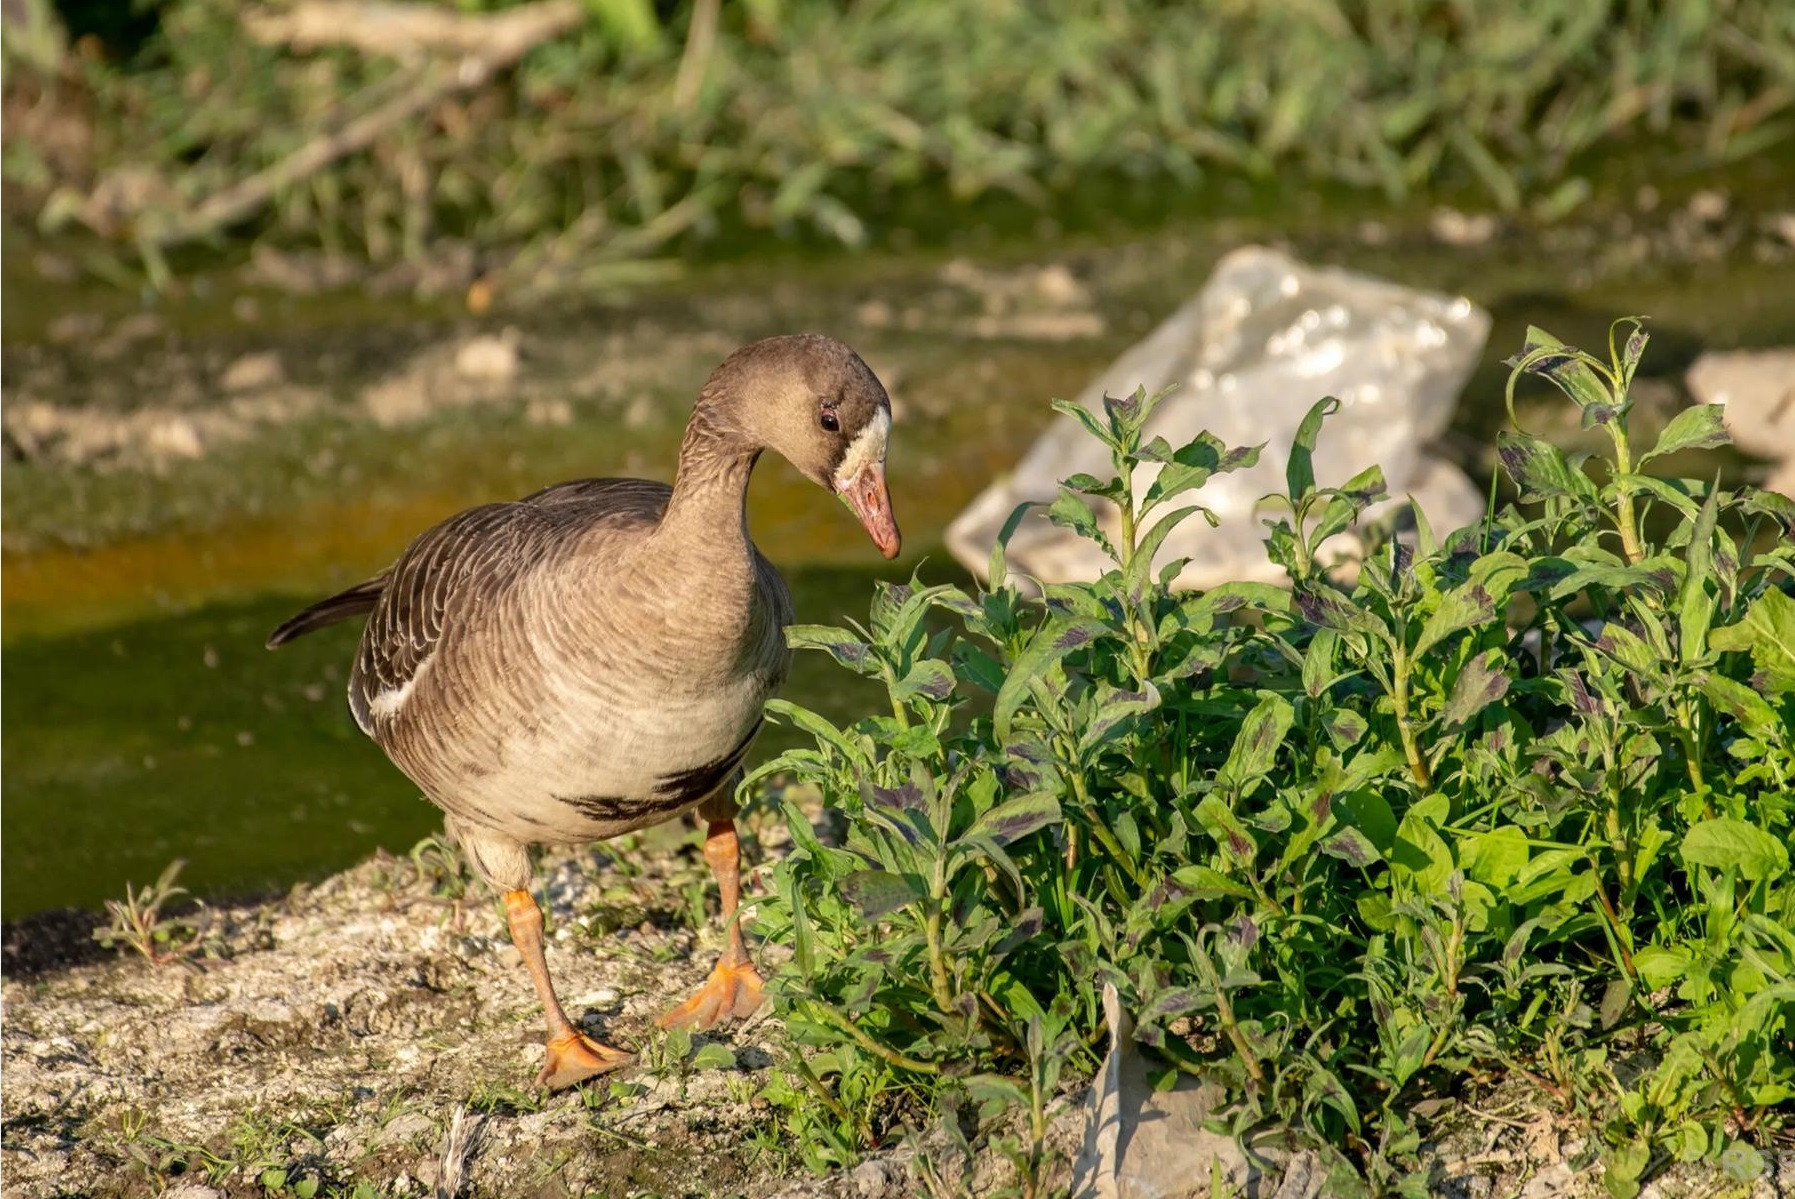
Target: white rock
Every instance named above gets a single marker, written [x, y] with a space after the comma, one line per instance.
[1758, 389]
[1264, 339]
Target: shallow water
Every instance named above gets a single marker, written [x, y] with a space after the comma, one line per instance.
[143, 719]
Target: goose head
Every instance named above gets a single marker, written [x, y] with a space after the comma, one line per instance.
[811, 400]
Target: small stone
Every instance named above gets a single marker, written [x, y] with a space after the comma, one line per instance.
[175, 437]
[1057, 285]
[54, 268]
[397, 401]
[75, 326]
[191, 1190]
[253, 372]
[491, 358]
[1553, 1180]
[1646, 198]
[871, 1179]
[554, 413]
[1456, 228]
[139, 326]
[639, 413]
[1709, 206]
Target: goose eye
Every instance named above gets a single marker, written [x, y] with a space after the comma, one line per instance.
[829, 420]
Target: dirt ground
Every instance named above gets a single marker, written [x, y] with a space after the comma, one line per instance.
[329, 1041]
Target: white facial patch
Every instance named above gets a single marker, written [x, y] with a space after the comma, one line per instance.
[866, 450]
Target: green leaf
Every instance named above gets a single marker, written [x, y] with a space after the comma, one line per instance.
[631, 24]
[1539, 469]
[1351, 845]
[1299, 472]
[1256, 745]
[1461, 608]
[1696, 428]
[818, 727]
[1221, 823]
[1084, 416]
[842, 645]
[1193, 465]
[713, 1056]
[1199, 612]
[1111, 489]
[1495, 857]
[1569, 369]
[1695, 602]
[1113, 708]
[1073, 511]
[1349, 501]
[1479, 684]
[1659, 967]
[1742, 704]
[930, 679]
[1725, 843]
[1140, 566]
[1768, 631]
[878, 892]
[1049, 644]
[997, 567]
[1741, 1162]
[1016, 818]
[1318, 662]
[1421, 855]
[1370, 813]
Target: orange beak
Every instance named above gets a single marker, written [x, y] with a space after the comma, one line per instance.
[865, 493]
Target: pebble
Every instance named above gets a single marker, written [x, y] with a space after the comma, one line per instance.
[1456, 228]
[1709, 205]
[488, 357]
[253, 372]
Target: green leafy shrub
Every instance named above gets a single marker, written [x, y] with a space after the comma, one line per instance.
[607, 144]
[1514, 801]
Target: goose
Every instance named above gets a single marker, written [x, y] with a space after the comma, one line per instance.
[594, 658]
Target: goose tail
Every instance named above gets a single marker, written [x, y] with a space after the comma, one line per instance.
[357, 601]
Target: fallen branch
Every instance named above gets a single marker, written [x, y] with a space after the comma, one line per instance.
[507, 38]
[409, 31]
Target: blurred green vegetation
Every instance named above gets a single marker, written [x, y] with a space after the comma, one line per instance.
[644, 127]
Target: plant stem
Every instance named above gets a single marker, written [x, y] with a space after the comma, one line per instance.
[938, 983]
[897, 705]
[1399, 695]
[1623, 494]
[879, 1051]
[1103, 835]
[1238, 1039]
[1620, 939]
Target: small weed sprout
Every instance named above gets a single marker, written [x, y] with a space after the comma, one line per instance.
[138, 921]
[1515, 799]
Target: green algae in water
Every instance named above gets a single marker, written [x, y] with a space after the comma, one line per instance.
[184, 738]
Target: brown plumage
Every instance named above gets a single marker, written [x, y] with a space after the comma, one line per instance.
[594, 658]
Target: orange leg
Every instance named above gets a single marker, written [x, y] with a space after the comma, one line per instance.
[572, 1056]
[734, 989]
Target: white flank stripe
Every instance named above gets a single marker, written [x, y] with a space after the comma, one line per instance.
[388, 703]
